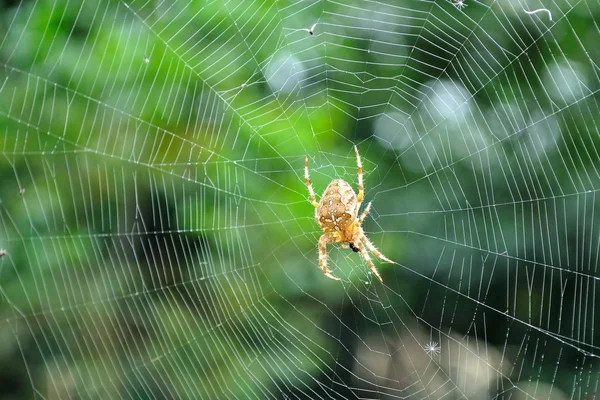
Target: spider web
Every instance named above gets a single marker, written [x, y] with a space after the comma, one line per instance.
[157, 234]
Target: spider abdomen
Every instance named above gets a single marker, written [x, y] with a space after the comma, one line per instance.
[337, 208]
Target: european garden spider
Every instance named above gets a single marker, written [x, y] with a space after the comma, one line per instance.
[337, 214]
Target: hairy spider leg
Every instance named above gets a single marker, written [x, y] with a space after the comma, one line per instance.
[372, 247]
[364, 214]
[310, 188]
[361, 188]
[324, 240]
[365, 255]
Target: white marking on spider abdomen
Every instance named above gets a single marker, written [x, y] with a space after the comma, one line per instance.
[337, 208]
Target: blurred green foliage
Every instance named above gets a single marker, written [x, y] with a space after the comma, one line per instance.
[164, 247]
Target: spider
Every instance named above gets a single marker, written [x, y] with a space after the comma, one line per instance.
[460, 4]
[337, 214]
[432, 349]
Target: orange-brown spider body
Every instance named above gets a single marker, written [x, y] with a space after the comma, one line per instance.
[337, 208]
[337, 214]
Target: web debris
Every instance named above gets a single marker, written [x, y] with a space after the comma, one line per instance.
[539, 10]
[310, 30]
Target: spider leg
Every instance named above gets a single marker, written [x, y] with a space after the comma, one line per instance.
[324, 240]
[309, 185]
[361, 189]
[364, 214]
[363, 252]
[372, 247]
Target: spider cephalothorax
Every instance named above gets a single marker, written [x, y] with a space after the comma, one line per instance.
[337, 214]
